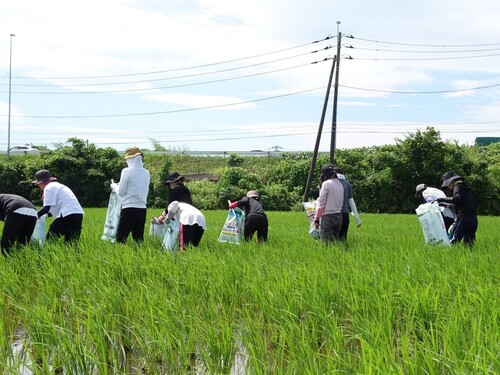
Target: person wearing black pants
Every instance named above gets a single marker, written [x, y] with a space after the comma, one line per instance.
[192, 223]
[132, 189]
[255, 218]
[464, 202]
[61, 203]
[132, 220]
[19, 215]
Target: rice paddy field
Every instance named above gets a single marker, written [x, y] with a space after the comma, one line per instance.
[384, 303]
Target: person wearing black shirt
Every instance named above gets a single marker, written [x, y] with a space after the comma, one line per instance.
[255, 218]
[464, 202]
[20, 216]
[178, 191]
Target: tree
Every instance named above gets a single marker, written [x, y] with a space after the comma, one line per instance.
[83, 167]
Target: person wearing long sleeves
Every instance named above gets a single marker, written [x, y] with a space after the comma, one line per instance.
[192, 223]
[330, 202]
[464, 201]
[348, 206]
[178, 191]
[255, 217]
[60, 202]
[133, 189]
[19, 217]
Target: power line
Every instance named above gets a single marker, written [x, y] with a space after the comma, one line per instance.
[185, 68]
[423, 92]
[174, 77]
[162, 87]
[424, 58]
[172, 111]
[253, 135]
[418, 51]
[425, 45]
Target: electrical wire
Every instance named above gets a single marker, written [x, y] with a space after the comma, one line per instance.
[171, 111]
[424, 58]
[161, 87]
[422, 92]
[426, 45]
[185, 68]
[416, 51]
[170, 78]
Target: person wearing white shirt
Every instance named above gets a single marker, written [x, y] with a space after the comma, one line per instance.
[192, 222]
[61, 203]
[132, 189]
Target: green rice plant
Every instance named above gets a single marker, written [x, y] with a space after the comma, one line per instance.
[383, 302]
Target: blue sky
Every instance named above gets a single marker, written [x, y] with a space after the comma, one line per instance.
[239, 75]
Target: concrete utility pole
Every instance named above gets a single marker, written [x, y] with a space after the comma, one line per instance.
[318, 137]
[10, 90]
[336, 61]
[335, 98]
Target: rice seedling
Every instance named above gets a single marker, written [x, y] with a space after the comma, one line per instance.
[383, 302]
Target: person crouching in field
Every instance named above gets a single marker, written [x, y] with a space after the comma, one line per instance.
[464, 201]
[192, 223]
[255, 217]
[132, 189]
[61, 203]
[330, 202]
[19, 215]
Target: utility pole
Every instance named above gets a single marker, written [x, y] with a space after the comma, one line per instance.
[335, 98]
[10, 90]
[318, 137]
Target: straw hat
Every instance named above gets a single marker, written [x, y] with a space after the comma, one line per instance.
[133, 151]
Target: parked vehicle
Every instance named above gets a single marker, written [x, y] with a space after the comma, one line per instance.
[24, 150]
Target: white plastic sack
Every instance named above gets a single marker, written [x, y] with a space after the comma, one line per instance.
[40, 233]
[112, 218]
[432, 223]
[171, 239]
[232, 231]
[310, 208]
[157, 230]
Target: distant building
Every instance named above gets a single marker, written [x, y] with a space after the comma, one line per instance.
[485, 141]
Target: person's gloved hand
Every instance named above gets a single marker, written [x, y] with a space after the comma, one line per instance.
[114, 186]
[233, 204]
[316, 223]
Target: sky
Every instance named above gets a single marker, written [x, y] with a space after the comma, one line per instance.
[233, 75]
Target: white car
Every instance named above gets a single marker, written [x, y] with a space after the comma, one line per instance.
[24, 150]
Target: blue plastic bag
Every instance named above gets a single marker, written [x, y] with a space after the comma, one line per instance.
[112, 217]
[232, 231]
[171, 239]
[39, 233]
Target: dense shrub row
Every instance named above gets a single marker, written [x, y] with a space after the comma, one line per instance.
[383, 177]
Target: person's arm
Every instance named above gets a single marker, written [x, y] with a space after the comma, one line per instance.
[43, 211]
[354, 210]
[122, 185]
